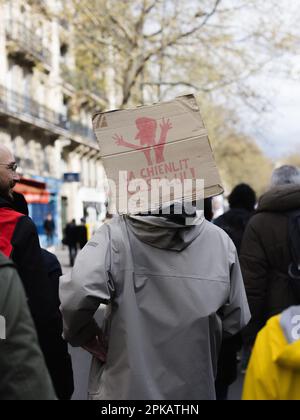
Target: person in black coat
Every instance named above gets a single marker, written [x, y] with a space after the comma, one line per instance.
[82, 234]
[19, 241]
[242, 202]
[49, 228]
[54, 348]
[60, 363]
[71, 240]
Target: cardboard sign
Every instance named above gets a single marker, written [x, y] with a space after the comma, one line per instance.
[162, 142]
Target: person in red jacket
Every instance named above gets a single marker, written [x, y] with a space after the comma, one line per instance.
[19, 241]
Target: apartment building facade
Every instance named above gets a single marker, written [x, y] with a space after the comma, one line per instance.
[55, 147]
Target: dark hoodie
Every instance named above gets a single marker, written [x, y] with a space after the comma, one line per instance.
[234, 223]
[265, 257]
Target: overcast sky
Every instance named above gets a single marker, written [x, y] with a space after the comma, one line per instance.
[279, 131]
[280, 134]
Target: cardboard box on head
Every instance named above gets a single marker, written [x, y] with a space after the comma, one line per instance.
[155, 154]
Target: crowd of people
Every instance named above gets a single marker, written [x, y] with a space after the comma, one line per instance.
[183, 299]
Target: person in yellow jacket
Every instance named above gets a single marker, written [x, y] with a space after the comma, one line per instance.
[274, 368]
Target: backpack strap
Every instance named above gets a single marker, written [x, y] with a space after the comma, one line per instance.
[4, 262]
[294, 243]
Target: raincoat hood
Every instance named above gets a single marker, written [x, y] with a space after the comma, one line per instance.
[283, 335]
[289, 354]
[168, 310]
[283, 198]
[159, 232]
[274, 370]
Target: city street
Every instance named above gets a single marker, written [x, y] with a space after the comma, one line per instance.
[81, 359]
[176, 129]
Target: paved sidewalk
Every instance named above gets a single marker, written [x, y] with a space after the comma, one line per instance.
[236, 389]
[81, 360]
[62, 254]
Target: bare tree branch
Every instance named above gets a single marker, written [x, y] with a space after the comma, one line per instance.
[149, 8]
[119, 24]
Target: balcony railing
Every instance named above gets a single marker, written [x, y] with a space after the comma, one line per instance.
[12, 102]
[28, 41]
[81, 130]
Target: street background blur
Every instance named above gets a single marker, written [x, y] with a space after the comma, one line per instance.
[60, 61]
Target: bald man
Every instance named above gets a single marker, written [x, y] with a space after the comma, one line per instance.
[19, 241]
[8, 174]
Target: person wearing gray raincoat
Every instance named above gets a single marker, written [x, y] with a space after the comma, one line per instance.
[172, 291]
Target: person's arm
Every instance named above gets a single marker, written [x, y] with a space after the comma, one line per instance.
[83, 290]
[254, 266]
[24, 375]
[165, 127]
[235, 313]
[121, 142]
[97, 346]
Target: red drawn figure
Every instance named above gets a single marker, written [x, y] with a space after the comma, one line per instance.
[147, 128]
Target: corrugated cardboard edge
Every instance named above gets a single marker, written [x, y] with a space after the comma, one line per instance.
[188, 101]
[214, 191]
